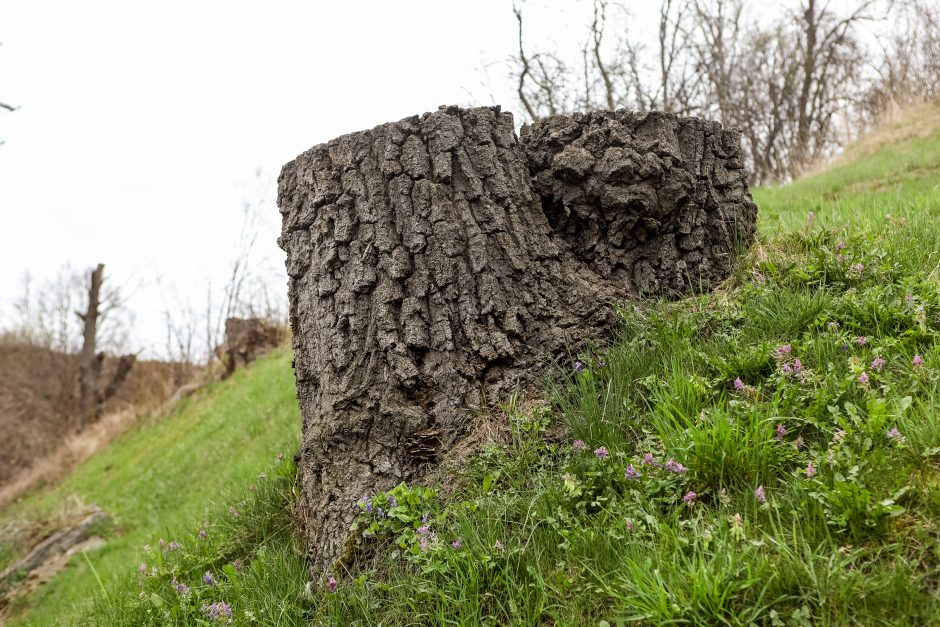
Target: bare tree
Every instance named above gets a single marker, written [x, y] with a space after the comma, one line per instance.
[909, 69]
[91, 393]
[6, 107]
[790, 82]
[89, 364]
[194, 333]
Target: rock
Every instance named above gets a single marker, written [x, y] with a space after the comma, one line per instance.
[57, 545]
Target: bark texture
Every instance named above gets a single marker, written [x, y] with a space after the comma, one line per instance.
[425, 280]
[655, 201]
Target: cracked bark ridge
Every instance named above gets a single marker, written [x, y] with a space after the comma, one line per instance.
[426, 276]
[423, 278]
[654, 201]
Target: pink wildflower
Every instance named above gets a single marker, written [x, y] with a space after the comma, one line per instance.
[759, 494]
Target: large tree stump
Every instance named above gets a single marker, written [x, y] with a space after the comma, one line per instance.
[426, 280]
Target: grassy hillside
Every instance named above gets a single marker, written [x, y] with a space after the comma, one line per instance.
[162, 477]
[766, 454]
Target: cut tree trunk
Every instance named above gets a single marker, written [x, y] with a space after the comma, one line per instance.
[428, 279]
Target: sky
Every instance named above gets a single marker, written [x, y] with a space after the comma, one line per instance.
[145, 127]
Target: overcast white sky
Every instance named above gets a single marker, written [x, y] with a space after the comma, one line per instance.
[142, 125]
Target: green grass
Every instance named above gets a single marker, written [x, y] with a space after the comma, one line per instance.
[806, 494]
[162, 477]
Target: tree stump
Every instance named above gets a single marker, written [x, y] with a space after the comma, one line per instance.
[246, 339]
[427, 278]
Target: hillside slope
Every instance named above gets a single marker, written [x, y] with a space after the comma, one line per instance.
[162, 477]
[766, 454]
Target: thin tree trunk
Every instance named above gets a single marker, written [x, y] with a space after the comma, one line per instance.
[89, 362]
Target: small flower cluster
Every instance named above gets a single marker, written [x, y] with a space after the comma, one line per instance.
[791, 368]
[217, 611]
[180, 587]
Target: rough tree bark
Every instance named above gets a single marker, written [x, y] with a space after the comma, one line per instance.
[426, 280]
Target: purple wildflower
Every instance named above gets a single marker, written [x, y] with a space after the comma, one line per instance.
[689, 497]
[142, 568]
[780, 433]
[674, 466]
[759, 494]
[760, 278]
[786, 368]
[858, 268]
[392, 500]
[181, 588]
[217, 611]
[601, 452]
[424, 518]
[381, 512]
[601, 363]
[173, 546]
[649, 460]
[918, 361]
[237, 565]
[331, 584]
[810, 216]
[878, 364]
[457, 543]
[810, 470]
[738, 384]
[863, 378]
[202, 534]
[629, 525]
[840, 245]
[424, 543]
[578, 445]
[369, 507]
[208, 579]
[632, 473]
[578, 366]
[423, 530]
[894, 434]
[797, 366]
[861, 340]
[783, 351]
[798, 442]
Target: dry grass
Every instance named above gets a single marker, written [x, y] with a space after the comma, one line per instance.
[898, 125]
[72, 452]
